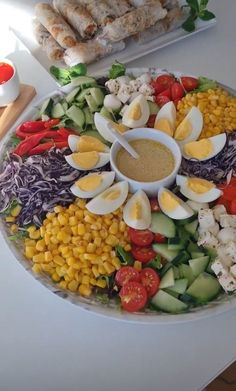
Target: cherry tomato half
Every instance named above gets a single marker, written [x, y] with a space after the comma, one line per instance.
[161, 100]
[143, 254]
[150, 280]
[189, 83]
[159, 238]
[165, 80]
[232, 207]
[141, 237]
[126, 274]
[177, 91]
[158, 87]
[133, 296]
[229, 192]
[154, 205]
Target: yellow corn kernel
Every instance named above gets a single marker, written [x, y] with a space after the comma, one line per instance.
[81, 203]
[48, 256]
[113, 229]
[40, 245]
[55, 230]
[47, 237]
[107, 248]
[39, 258]
[107, 221]
[101, 269]
[85, 290]
[99, 251]
[47, 267]
[55, 222]
[63, 284]
[89, 219]
[85, 280]
[97, 242]
[54, 240]
[91, 247]
[81, 229]
[92, 281]
[16, 211]
[37, 268]
[112, 240]
[127, 247]
[74, 230]
[116, 262]
[109, 267]
[73, 220]
[31, 229]
[30, 251]
[14, 228]
[86, 270]
[71, 272]
[90, 257]
[138, 265]
[79, 214]
[58, 209]
[10, 219]
[59, 260]
[62, 270]
[62, 218]
[30, 242]
[103, 233]
[55, 277]
[35, 234]
[122, 226]
[101, 283]
[42, 231]
[95, 271]
[73, 285]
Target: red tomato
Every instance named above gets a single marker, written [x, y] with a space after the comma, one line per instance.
[6, 72]
[150, 280]
[189, 83]
[223, 201]
[157, 87]
[133, 296]
[177, 91]
[161, 100]
[229, 192]
[165, 80]
[126, 274]
[151, 121]
[141, 237]
[154, 205]
[166, 92]
[159, 238]
[143, 254]
[232, 207]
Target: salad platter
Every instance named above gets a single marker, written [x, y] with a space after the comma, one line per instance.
[151, 239]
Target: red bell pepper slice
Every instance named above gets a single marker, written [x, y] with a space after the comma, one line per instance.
[51, 122]
[46, 146]
[26, 145]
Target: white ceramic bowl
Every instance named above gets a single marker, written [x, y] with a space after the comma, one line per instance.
[10, 90]
[150, 188]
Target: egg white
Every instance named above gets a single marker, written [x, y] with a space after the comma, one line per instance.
[208, 196]
[218, 143]
[107, 180]
[168, 111]
[103, 160]
[195, 117]
[145, 221]
[132, 123]
[182, 211]
[73, 143]
[101, 206]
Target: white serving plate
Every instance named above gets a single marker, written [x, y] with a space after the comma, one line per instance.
[221, 304]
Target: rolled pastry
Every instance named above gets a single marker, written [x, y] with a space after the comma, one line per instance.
[56, 25]
[101, 11]
[49, 44]
[172, 21]
[134, 22]
[90, 51]
[77, 16]
[120, 7]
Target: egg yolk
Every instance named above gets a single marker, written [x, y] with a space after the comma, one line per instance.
[86, 160]
[199, 186]
[89, 183]
[199, 149]
[111, 195]
[164, 125]
[89, 143]
[136, 211]
[168, 201]
[135, 112]
[183, 130]
[119, 127]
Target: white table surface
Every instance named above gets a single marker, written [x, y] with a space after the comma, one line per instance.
[49, 344]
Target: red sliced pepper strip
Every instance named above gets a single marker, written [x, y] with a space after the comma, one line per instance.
[46, 146]
[26, 145]
[51, 122]
[33, 126]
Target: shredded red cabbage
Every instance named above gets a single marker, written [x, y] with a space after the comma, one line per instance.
[38, 183]
[217, 168]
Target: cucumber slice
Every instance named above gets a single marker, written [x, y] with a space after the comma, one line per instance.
[198, 265]
[185, 271]
[81, 96]
[180, 286]
[185, 221]
[176, 272]
[58, 111]
[77, 115]
[164, 269]
[72, 95]
[65, 105]
[97, 95]
[163, 225]
[165, 302]
[153, 107]
[88, 116]
[182, 257]
[105, 113]
[172, 293]
[91, 103]
[83, 81]
[46, 107]
[209, 269]
[162, 249]
[176, 244]
[191, 227]
[197, 254]
[193, 247]
[204, 288]
[168, 279]
[45, 117]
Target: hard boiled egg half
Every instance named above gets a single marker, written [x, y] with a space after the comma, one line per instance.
[92, 184]
[205, 148]
[86, 144]
[173, 206]
[137, 211]
[102, 124]
[84, 161]
[110, 200]
[197, 189]
[166, 118]
[137, 113]
[190, 128]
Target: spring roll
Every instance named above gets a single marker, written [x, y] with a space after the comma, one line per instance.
[120, 7]
[53, 50]
[101, 12]
[134, 22]
[172, 21]
[90, 51]
[56, 25]
[77, 16]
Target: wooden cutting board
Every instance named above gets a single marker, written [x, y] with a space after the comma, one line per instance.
[10, 113]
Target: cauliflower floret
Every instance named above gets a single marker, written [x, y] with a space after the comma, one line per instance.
[228, 221]
[227, 235]
[206, 239]
[233, 270]
[146, 89]
[206, 219]
[219, 210]
[145, 78]
[113, 86]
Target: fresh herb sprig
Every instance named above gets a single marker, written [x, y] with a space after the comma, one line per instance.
[197, 9]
